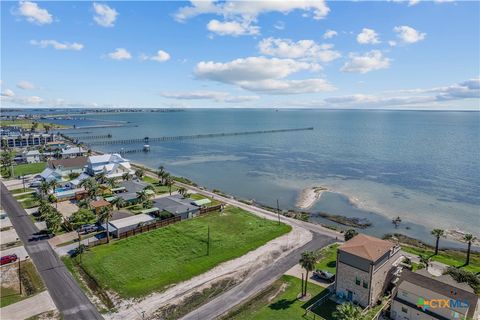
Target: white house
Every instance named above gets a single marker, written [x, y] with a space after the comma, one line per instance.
[50, 174]
[113, 165]
[31, 156]
[73, 152]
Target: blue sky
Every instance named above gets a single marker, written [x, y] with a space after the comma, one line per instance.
[311, 54]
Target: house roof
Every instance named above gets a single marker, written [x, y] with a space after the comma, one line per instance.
[99, 203]
[73, 150]
[444, 285]
[367, 247]
[174, 204]
[201, 202]
[133, 185]
[79, 179]
[77, 162]
[32, 153]
[130, 221]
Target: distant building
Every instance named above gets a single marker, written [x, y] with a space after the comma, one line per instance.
[70, 165]
[128, 190]
[26, 140]
[113, 165]
[31, 156]
[50, 175]
[365, 267]
[420, 296]
[97, 205]
[73, 152]
[116, 227]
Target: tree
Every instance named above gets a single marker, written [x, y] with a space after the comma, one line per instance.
[47, 127]
[53, 219]
[126, 176]
[101, 177]
[81, 217]
[53, 199]
[105, 214]
[437, 233]
[119, 202]
[91, 186]
[182, 191]
[424, 260]
[139, 172]
[7, 161]
[57, 154]
[347, 311]
[350, 233]
[307, 262]
[53, 185]
[169, 182]
[84, 204]
[468, 238]
[34, 126]
[44, 188]
[161, 173]
[148, 204]
[73, 175]
[111, 182]
[143, 195]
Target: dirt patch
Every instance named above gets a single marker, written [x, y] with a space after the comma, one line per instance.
[280, 290]
[9, 277]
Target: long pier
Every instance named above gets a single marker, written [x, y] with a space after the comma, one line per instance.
[103, 136]
[196, 136]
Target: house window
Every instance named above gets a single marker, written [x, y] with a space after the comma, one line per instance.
[365, 284]
[357, 281]
[404, 310]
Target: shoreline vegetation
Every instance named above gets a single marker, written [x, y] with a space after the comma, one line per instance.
[309, 196]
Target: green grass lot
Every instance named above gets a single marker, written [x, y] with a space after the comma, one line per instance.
[328, 259]
[196, 196]
[449, 257]
[27, 124]
[27, 200]
[159, 189]
[153, 260]
[17, 191]
[278, 302]
[28, 168]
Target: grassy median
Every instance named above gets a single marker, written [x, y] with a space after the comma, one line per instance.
[154, 260]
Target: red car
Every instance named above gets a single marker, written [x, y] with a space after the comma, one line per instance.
[8, 259]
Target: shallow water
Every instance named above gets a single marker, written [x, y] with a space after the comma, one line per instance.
[421, 166]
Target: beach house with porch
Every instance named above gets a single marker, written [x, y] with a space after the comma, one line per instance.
[113, 165]
[365, 268]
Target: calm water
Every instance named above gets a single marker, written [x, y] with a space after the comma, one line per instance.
[421, 166]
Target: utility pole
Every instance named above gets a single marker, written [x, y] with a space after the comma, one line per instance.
[19, 276]
[79, 245]
[23, 181]
[278, 212]
[208, 242]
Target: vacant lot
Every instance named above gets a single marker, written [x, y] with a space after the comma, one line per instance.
[27, 124]
[279, 301]
[328, 259]
[154, 260]
[28, 168]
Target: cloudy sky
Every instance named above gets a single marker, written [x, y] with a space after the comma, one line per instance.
[310, 54]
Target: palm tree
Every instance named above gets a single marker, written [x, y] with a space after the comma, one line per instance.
[347, 311]
[111, 182]
[169, 182]
[105, 214]
[53, 199]
[425, 260]
[161, 172]
[468, 238]
[139, 172]
[84, 204]
[101, 177]
[307, 261]
[182, 191]
[53, 220]
[54, 185]
[349, 234]
[143, 195]
[118, 202]
[44, 188]
[47, 127]
[437, 233]
[126, 176]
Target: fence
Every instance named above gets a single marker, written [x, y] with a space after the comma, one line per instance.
[210, 209]
[149, 227]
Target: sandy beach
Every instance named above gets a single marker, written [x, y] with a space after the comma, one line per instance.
[309, 196]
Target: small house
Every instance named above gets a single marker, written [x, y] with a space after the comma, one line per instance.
[97, 205]
[117, 227]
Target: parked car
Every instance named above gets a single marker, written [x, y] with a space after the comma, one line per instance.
[8, 258]
[41, 235]
[87, 228]
[324, 275]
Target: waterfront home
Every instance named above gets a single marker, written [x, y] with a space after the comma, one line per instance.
[365, 268]
[177, 206]
[70, 165]
[421, 296]
[116, 227]
[31, 156]
[75, 183]
[73, 152]
[127, 190]
[49, 175]
[113, 165]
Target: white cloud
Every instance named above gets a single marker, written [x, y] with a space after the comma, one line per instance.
[240, 16]
[408, 34]
[368, 36]
[280, 25]
[120, 54]
[161, 56]
[8, 93]
[217, 96]
[57, 45]
[261, 74]
[33, 13]
[232, 28]
[373, 60]
[392, 43]
[25, 85]
[104, 15]
[302, 49]
[329, 34]
[412, 3]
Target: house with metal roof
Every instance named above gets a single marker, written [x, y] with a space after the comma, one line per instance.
[73, 152]
[128, 189]
[421, 296]
[31, 156]
[113, 165]
[365, 267]
[116, 227]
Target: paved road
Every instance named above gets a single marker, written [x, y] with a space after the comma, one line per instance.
[67, 296]
[255, 284]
